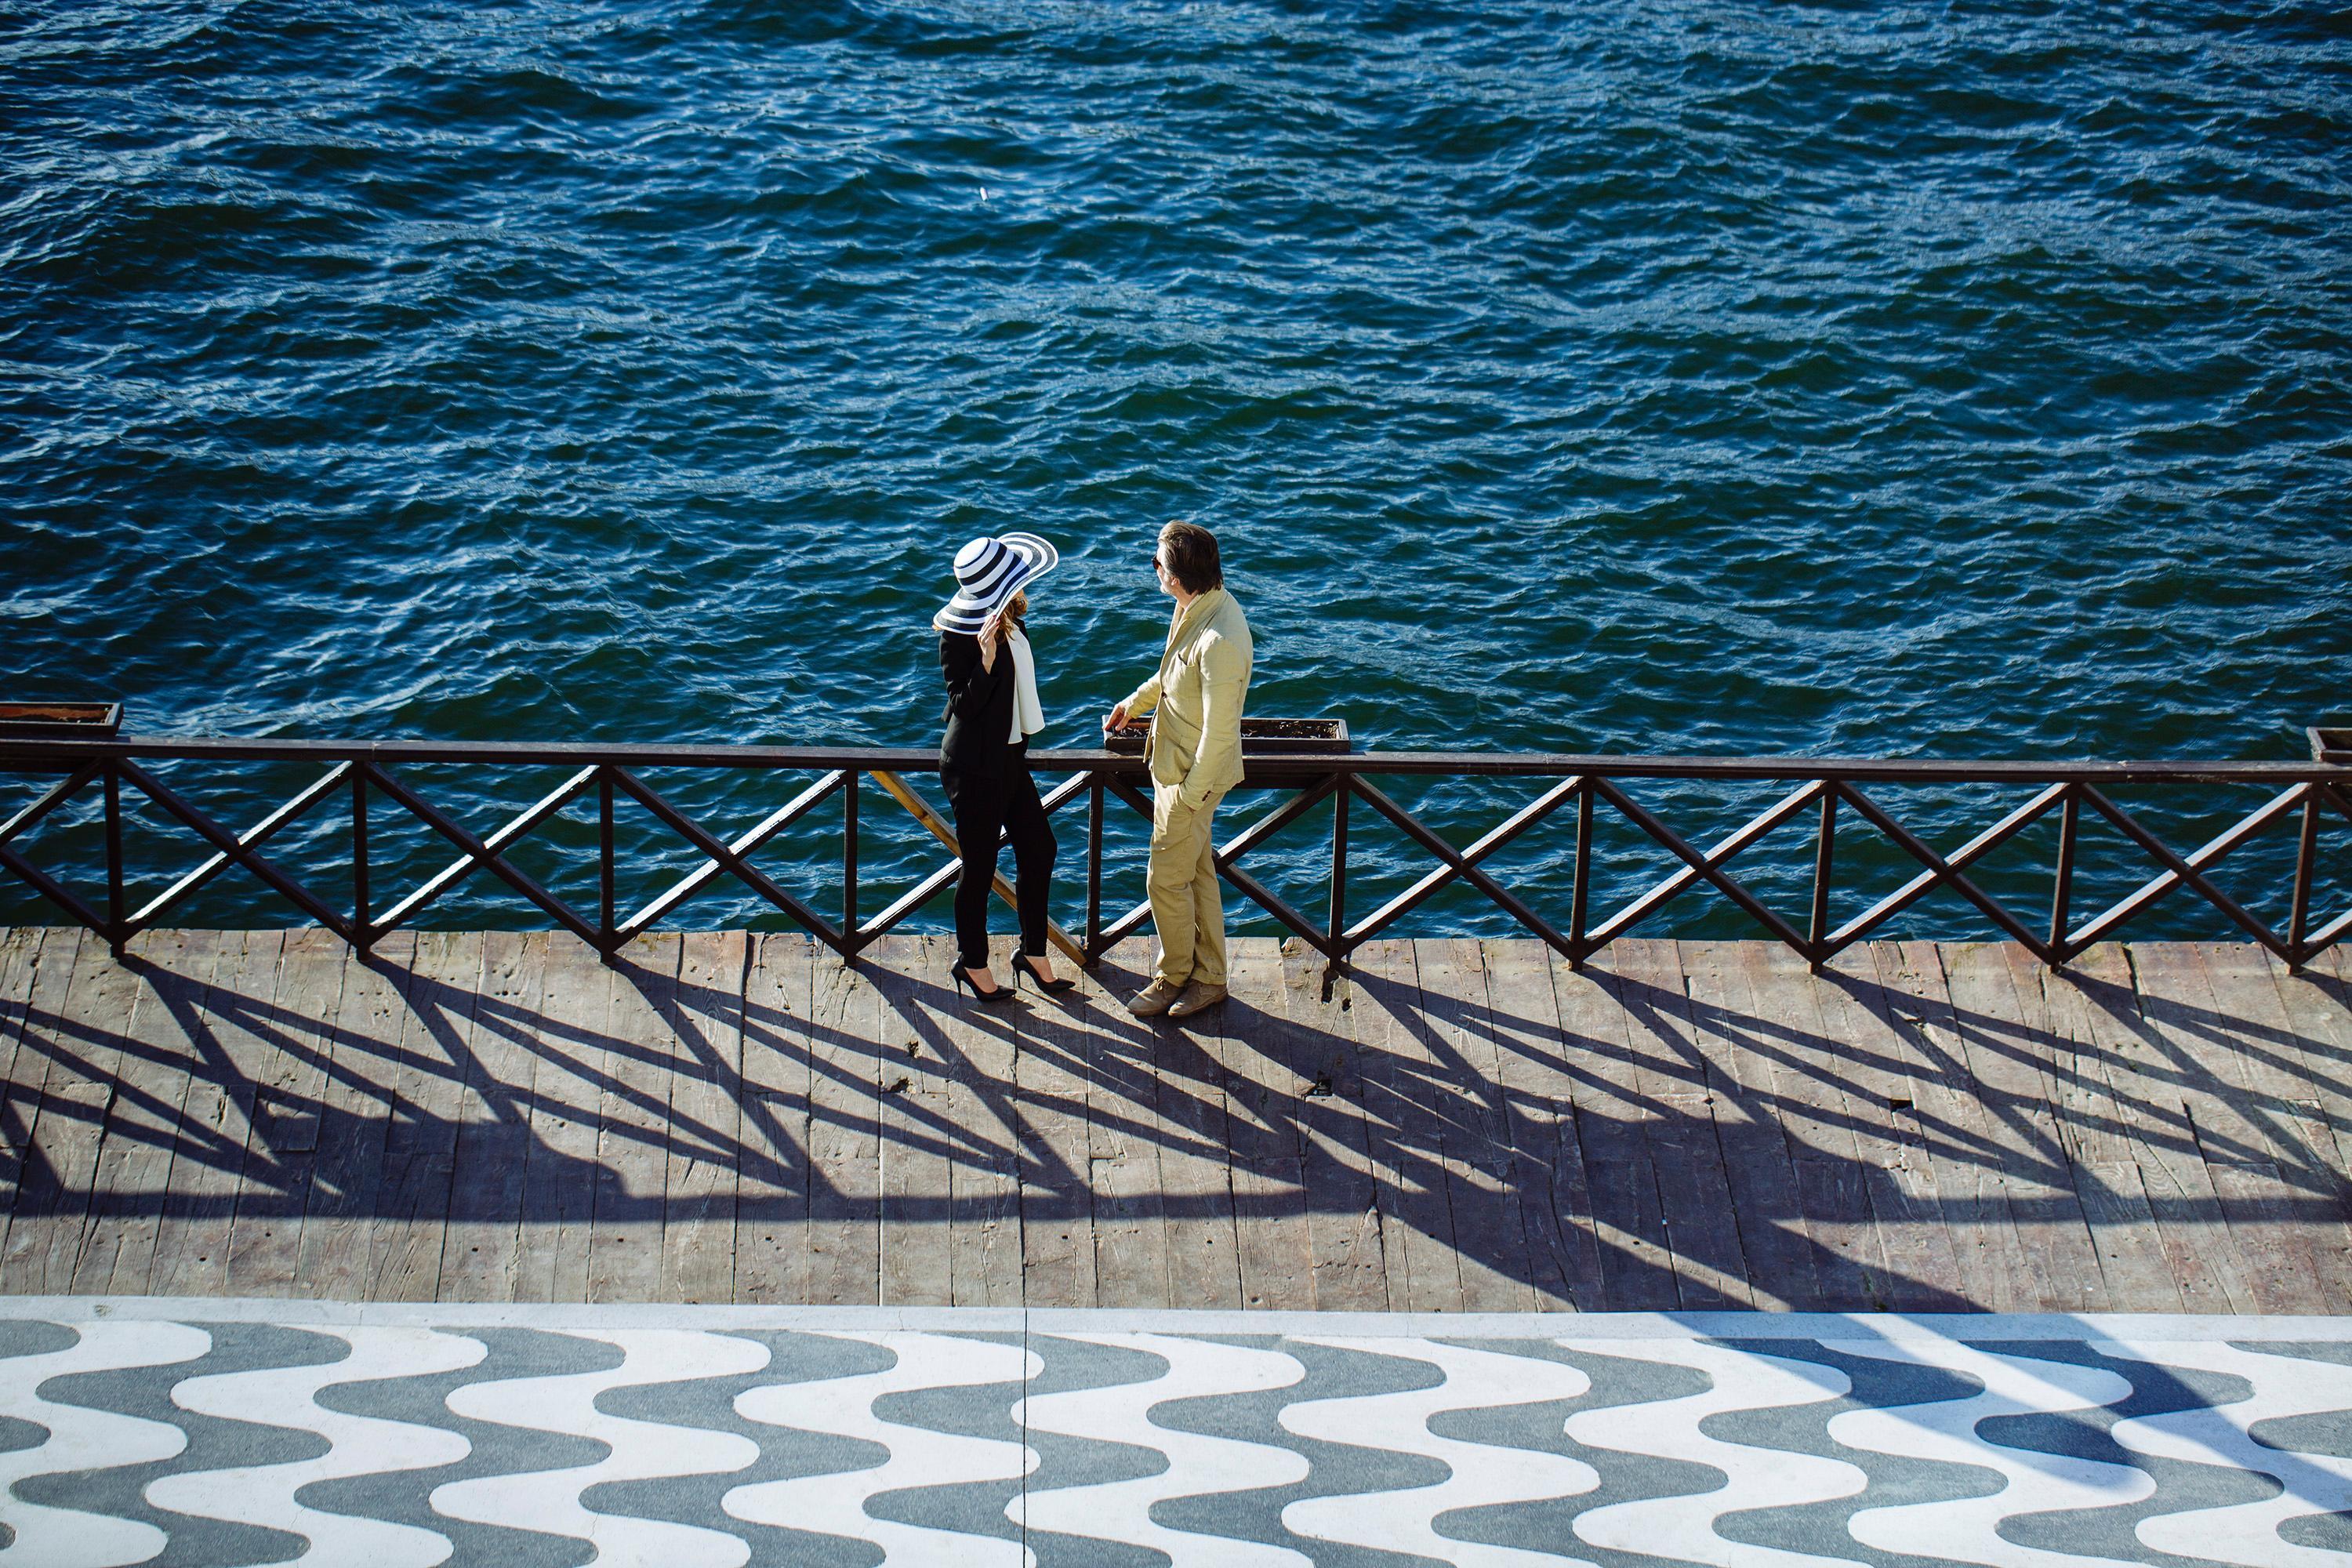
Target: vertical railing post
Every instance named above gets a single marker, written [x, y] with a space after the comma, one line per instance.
[849, 857]
[605, 858]
[2299, 904]
[115, 910]
[362, 915]
[1579, 886]
[1094, 865]
[1825, 856]
[1336, 923]
[2061, 890]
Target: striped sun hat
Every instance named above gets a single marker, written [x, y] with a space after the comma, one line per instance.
[988, 572]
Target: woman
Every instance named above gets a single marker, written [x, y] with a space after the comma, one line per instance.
[992, 709]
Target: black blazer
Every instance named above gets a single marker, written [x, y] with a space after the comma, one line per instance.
[979, 712]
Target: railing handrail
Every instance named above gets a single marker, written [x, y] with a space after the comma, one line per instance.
[361, 772]
[51, 755]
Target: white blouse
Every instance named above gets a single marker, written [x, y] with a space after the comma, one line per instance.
[1028, 714]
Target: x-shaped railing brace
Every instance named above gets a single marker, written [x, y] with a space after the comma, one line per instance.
[931, 886]
[48, 887]
[1336, 942]
[1225, 859]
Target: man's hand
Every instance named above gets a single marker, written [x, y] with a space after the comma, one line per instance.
[1115, 718]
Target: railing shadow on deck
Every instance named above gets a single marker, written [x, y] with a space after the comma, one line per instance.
[1575, 1182]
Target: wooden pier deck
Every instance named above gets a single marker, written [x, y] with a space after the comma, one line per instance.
[1460, 1125]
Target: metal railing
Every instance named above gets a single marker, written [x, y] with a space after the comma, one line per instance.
[1822, 792]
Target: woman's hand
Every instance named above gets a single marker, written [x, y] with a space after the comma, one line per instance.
[992, 638]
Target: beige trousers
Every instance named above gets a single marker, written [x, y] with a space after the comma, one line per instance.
[1181, 879]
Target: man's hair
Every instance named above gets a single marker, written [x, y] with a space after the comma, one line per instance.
[1192, 557]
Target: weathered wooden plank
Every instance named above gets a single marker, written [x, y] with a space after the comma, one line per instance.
[705, 1121]
[447, 980]
[2092, 1128]
[85, 1048]
[2293, 1096]
[2097, 993]
[918, 1256]
[1195, 1173]
[117, 1254]
[2148, 1264]
[281, 1150]
[1130, 1223]
[312, 971]
[773, 1181]
[2246, 1088]
[568, 1043]
[1489, 1229]
[2317, 1009]
[1698, 1088]
[2224, 991]
[633, 1114]
[482, 1253]
[2268, 1219]
[1339, 1181]
[2007, 1042]
[1056, 1166]
[207, 1166]
[1688, 1064]
[1858, 1149]
[1968, 1155]
[20, 948]
[2225, 1075]
[844, 1149]
[45, 1034]
[2131, 1247]
[208, 1145]
[1853, 1016]
[2339, 1242]
[1537, 1076]
[1537, 1092]
[1821, 1125]
[81, 996]
[1404, 1106]
[356, 1096]
[975, 1051]
[1263, 1094]
[1609, 1134]
[1062, 1077]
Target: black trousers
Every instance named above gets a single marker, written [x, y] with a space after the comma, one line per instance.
[988, 805]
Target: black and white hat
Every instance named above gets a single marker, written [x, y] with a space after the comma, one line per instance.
[988, 572]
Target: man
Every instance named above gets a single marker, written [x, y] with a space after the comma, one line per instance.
[1195, 753]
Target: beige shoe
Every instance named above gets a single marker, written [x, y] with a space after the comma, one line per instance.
[1198, 997]
[1153, 999]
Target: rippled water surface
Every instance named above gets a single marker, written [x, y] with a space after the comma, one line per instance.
[1968, 380]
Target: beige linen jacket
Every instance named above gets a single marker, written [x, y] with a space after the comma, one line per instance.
[1195, 746]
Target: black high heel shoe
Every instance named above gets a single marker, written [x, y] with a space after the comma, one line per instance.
[994, 993]
[1024, 964]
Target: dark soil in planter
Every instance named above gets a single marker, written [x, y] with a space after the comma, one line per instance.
[1260, 737]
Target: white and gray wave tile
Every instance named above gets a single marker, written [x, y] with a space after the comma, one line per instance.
[216, 1433]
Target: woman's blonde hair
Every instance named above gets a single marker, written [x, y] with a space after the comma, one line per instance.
[1016, 608]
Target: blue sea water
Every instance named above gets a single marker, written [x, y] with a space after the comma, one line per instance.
[1963, 380]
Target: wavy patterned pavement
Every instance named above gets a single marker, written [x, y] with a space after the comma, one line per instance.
[224, 1432]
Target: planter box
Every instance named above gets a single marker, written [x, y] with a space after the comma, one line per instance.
[1260, 737]
[2332, 746]
[60, 720]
